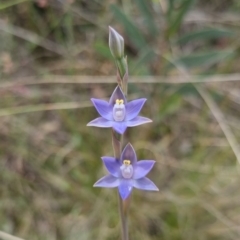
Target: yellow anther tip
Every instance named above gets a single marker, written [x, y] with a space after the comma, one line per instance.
[126, 162]
[119, 101]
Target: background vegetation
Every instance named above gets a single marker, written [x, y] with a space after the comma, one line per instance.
[54, 56]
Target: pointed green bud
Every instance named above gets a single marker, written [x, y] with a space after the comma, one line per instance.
[116, 44]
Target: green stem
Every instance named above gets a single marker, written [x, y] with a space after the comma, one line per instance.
[117, 141]
[123, 217]
[123, 207]
[121, 65]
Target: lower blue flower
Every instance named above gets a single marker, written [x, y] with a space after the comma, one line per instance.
[127, 173]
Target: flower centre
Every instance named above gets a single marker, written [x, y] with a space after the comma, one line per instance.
[119, 111]
[127, 169]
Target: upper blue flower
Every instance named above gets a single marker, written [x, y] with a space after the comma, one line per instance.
[126, 173]
[118, 113]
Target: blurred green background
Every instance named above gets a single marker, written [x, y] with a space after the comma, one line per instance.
[183, 56]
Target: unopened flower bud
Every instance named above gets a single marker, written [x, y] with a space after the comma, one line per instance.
[116, 44]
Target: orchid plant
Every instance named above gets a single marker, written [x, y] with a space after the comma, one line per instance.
[125, 171]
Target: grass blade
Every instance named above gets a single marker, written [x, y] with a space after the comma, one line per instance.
[11, 3]
[144, 8]
[177, 20]
[132, 31]
[205, 34]
[204, 58]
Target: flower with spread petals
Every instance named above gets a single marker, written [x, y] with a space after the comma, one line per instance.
[118, 113]
[126, 173]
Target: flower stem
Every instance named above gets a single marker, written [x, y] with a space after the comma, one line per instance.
[123, 208]
[123, 217]
[117, 141]
[121, 65]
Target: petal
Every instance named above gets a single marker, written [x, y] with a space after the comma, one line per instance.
[138, 121]
[129, 153]
[142, 168]
[100, 122]
[120, 127]
[108, 181]
[112, 165]
[134, 107]
[103, 108]
[145, 184]
[117, 94]
[125, 188]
